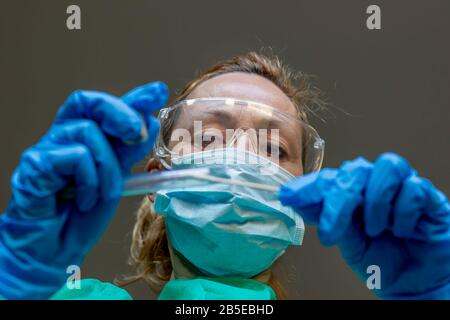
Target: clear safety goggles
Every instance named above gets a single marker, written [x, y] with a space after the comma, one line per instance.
[204, 124]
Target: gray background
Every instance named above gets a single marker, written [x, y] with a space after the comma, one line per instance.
[393, 82]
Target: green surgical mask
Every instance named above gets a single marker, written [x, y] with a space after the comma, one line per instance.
[230, 230]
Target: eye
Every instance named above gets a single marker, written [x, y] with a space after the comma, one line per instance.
[274, 149]
[204, 139]
[207, 139]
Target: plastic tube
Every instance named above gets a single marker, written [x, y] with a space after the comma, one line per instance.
[144, 183]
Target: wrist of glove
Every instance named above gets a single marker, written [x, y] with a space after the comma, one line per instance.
[27, 273]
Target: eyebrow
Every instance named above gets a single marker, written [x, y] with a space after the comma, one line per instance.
[225, 116]
[228, 118]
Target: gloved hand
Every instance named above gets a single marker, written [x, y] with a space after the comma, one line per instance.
[381, 214]
[93, 143]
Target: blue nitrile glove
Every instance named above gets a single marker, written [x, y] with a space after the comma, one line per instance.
[381, 214]
[93, 143]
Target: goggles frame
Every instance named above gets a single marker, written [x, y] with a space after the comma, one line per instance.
[311, 162]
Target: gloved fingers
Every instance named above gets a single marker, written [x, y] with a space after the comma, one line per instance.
[385, 181]
[421, 212]
[435, 223]
[45, 169]
[87, 133]
[147, 98]
[336, 215]
[306, 193]
[76, 161]
[308, 189]
[130, 154]
[436, 201]
[341, 201]
[113, 116]
[409, 206]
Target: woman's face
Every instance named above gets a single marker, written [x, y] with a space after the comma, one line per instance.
[244, 86]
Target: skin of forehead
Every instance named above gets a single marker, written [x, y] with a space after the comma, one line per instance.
[245, 86]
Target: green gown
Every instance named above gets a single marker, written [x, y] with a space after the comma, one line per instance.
[178, 289]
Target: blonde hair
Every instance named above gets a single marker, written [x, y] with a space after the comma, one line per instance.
[149, 254]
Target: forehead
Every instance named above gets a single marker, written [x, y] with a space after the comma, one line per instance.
[245, 86]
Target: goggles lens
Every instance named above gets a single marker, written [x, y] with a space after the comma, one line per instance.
[205, 124]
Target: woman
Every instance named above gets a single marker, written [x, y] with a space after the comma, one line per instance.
[216, 241]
